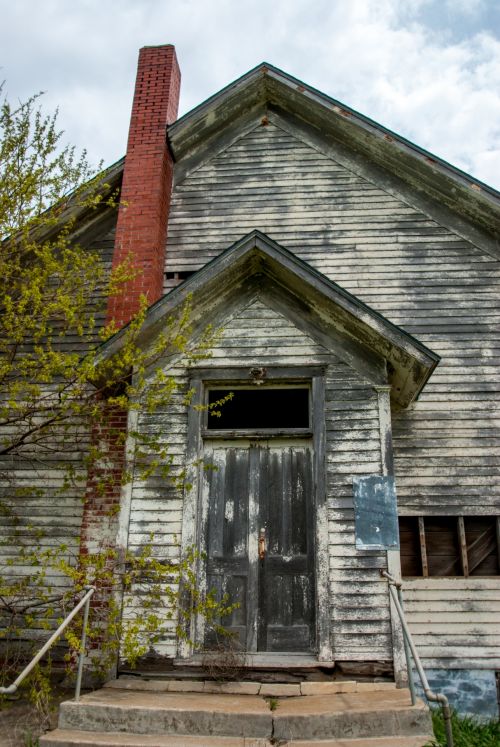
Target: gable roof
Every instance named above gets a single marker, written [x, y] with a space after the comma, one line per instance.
[330, 314]
[267, 86]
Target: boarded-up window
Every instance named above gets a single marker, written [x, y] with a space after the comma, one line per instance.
[411, 561]
[442, 546]
[450, 545]
[482, 545]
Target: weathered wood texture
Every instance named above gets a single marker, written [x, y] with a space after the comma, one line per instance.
[358, 604]
[38, 507]
[269, 486]
[99, 239]
[416, 272]
[420, 275]
[455, 620]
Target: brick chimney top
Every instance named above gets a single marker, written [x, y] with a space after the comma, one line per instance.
[141, 231]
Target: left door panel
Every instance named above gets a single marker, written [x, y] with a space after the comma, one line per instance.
[227, 479]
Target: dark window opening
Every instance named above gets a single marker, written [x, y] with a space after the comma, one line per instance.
[259, 409]
[450, 545]
[179, 275]
[442, 545]
[411, 561]
[483, 545]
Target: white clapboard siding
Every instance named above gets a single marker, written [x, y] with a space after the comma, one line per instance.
[33, 485]
[423, 277]
[419, 274]
[257, 334]
[360, 620]
[156, 504]
[451, 617]
[48, 519]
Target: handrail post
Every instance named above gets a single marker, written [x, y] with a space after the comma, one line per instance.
[445, 707]
[84, 601]
[83, 643]
[429, 694]
[409, 668]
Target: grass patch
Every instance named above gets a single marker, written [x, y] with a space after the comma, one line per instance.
[273, 704]
[467, 732]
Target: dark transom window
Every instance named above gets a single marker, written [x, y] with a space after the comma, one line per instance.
[259, 408]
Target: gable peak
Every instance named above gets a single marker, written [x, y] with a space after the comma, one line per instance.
[266, 88]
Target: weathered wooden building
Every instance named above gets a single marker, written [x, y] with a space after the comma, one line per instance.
[355, 278]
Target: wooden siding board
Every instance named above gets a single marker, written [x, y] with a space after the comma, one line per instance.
[245, 332]
[351, 408]
[455, 616]
[350, 405]
[56, 511]
[418, 273]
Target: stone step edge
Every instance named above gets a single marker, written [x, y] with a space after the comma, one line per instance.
[249, 688]
[79, 738]
[76, 738]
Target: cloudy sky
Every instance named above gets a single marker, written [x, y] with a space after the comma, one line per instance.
[428, 69]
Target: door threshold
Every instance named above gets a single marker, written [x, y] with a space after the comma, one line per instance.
[281, 660]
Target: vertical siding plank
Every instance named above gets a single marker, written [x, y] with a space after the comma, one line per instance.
[498, 540]
[463, 546]
[423, 546]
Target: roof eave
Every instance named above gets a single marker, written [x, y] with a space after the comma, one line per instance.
[411, 361]
[418, 168]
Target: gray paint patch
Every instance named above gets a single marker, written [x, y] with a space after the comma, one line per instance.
[471, 692]
[375, 513]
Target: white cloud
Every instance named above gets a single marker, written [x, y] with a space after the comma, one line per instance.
[377, 56]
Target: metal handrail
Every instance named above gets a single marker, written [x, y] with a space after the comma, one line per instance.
[84, 602]
[397, 597]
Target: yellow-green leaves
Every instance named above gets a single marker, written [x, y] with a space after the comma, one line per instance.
[55, 387]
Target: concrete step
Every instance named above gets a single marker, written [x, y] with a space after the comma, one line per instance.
[168, 713]
[69, 738]
[421, 740]
[126, 713]
[373, 714]
[278, 689]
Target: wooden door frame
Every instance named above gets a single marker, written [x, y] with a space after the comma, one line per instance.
[194, 512]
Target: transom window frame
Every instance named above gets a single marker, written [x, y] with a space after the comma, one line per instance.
[262, 432]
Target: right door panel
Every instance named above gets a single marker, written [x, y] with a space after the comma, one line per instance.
[266, 488]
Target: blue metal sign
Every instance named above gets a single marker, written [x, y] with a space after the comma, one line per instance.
[376, 513]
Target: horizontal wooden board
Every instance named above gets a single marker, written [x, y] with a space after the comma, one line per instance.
[418, 273]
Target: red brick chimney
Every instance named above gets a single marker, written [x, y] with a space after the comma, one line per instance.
[141, 234]
[141, 231]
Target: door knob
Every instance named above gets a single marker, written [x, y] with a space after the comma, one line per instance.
[262, 544]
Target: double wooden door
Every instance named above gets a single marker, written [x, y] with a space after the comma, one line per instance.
[260, 540]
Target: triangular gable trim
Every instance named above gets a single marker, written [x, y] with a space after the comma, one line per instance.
[330, 308]
[266, 85]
